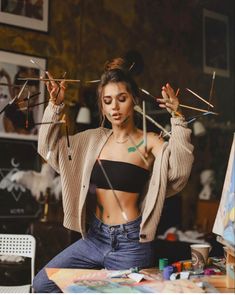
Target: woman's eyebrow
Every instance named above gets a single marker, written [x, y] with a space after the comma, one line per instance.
[110, 96]
[107, 96]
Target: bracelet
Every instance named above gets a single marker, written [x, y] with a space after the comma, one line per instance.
[53, 100]
[176, 114]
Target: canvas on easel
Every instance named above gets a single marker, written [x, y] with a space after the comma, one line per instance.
[224, 225]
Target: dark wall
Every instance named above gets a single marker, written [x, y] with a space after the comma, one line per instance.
[167, 35]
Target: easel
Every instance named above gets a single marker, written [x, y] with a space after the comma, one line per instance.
[225, 281]
[221, 223]
[230, 268]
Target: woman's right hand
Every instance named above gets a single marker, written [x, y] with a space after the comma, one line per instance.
[56, 90]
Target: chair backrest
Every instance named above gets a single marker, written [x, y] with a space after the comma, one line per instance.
[19, 245]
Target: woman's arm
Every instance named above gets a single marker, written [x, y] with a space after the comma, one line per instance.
[179, 150]
[49, 138]
[170, 102]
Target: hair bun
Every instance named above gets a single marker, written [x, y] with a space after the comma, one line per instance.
[117, 63]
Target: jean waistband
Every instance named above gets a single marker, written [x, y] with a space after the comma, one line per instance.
[131, 224]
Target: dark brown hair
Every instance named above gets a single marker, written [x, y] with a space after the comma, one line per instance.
[117, 70]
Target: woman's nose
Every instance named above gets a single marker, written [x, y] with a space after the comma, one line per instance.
[115, 104]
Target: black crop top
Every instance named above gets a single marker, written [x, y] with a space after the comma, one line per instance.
[122, 175]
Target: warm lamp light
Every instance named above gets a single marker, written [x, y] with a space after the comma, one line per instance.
[84, 115]
[199, 129]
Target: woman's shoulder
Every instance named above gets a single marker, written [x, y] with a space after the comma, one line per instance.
[153, 136]
[155, 142]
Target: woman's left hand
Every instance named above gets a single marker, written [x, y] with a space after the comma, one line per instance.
[169, 100]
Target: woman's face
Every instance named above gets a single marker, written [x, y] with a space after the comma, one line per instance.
[117, 103]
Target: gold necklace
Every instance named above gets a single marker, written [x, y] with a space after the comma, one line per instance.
[124, 140]
[121, 142]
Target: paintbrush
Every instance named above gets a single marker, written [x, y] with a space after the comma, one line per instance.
[144, 128]
[198, 96]
[146, 92]
[27, 114]
[212, 88]
[59, 87]
[177, 92]
[45, 123]
[38, 65]
[113, 191]
[196, 109]
[139, 110]
[192, 119]
[182, 105]
[33, 105]
[15, 98]
[67, 137]
[47, 79]
[138, 151]
[132, 65]
[26, 98]
[93, 81]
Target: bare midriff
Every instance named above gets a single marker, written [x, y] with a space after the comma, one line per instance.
[108, 210]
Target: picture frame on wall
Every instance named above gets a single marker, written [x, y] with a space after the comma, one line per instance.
[22, 118]
[16, 200]
[216, 43]
[26, 14]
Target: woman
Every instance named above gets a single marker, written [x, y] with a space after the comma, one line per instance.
[114, 181]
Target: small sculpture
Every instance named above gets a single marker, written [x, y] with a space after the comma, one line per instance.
[39, 182]
[207, 179]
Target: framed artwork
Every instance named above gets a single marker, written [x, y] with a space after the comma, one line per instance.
[16, 201]
[22, 118]
[29, 14]
[216, 43]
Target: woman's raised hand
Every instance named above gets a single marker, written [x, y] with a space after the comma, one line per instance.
[169, 100]
[55, 89]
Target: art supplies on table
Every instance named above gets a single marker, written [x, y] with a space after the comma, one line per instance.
[99, 281]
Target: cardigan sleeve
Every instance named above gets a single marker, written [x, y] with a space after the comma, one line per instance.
[180, 151]
[49, 138]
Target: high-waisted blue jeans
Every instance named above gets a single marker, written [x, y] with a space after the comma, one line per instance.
[111, 247]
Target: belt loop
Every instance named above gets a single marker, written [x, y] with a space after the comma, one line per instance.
[99, 224]
[122, 226]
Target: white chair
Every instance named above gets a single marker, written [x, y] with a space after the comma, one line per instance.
[18, 245]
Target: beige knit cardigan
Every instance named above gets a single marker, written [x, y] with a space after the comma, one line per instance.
[170, 172]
